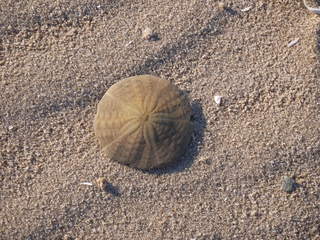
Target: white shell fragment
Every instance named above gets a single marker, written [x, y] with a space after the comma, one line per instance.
[129, 43]
[218, 99]
[246, 9]
[293, 42]
[86, 183]
[311, 9]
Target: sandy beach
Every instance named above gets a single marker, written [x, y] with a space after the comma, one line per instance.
[58, 58]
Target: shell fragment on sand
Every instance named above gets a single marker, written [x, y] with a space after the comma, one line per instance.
[293, 42]
[246, 9]
[311, 9]
[218, 99]
[86, 183]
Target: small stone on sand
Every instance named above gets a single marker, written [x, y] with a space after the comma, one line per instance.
[288, 184]
[148, 34]
[221, 5]
[102, 183]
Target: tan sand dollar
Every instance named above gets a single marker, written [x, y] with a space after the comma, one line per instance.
[144, 122]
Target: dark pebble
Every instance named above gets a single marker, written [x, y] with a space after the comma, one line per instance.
[288, 184]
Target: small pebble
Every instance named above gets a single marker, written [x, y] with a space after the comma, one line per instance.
[221, 5]
[148, 34]
[10, 128]
[208, 161]
[288, 184]
[102, 183]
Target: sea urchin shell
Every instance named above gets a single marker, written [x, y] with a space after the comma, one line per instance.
[143, 122]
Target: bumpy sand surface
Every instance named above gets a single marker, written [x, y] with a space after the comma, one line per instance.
[57, 58]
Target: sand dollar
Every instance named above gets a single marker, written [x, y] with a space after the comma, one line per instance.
[143, 122]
